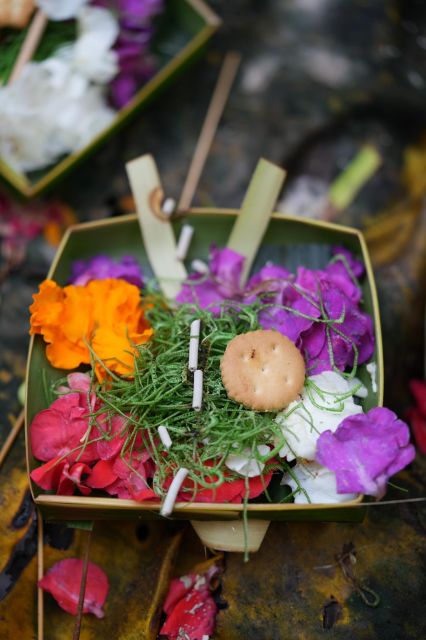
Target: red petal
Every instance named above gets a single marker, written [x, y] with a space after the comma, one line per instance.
[132, 472]
[418, 389]
[108, 449]
[119, 489]
[59, 429]
[48, 475]
[102, 475]
[178, 588]
[194, 615]
[66, 486]
[63, 582]
[418, 427]
[143, 494]
[233, 491]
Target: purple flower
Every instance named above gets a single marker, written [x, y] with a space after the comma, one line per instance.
[365, 450]
[356, 266]
[137, 14]
[353, 336]
[102, 267]
[310, 299]
[221, 283]
[136, 65]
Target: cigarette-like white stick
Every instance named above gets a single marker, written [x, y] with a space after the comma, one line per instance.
[170, 499]
[168, 206]
[199, 266]
[184, 241]
[197, 397]
[164, 436]
[194, 340]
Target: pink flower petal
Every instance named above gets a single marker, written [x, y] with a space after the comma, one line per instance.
[102, 475]
[59, 429]
[108, 449]
[48, 475]
[63, 582]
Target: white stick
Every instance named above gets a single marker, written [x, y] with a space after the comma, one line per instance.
[197, 397]
[170, 499]
[194, 341]
[184, 241]
[199, 266]
[164, 436]
[168, 206]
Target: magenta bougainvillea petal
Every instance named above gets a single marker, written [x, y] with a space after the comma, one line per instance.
[102, 267]
[63, 582]
[221, 283]
[365, 450]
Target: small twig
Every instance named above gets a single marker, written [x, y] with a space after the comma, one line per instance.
[346, 559]
[12, 436]
[77, 626]
[30, 44]
[208, 130]
[40, 571]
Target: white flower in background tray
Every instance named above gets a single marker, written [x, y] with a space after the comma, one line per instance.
[245, 464]
[47, 112]
[93, 56]
[61, 9]
[303, 424]
[57, 106]
[318, 482]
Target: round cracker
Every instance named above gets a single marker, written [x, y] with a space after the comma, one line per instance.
[263, 370]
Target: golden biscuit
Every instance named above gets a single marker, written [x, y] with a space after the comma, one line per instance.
[15, 13]
[263, 370]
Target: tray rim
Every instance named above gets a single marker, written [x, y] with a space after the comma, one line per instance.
[226, 510]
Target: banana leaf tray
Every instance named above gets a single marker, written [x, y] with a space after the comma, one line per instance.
[289, 241]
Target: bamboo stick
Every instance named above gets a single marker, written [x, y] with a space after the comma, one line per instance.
[30, 44]
[77, 626]
[250, 226]
[158, 235]
[208, 130]
[40, 571]
[12, 436]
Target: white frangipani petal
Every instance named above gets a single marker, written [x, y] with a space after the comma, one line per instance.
[303, 421]
[58, 106]
[245, 464]
[318, 482]
[93, 56]
[61, 9]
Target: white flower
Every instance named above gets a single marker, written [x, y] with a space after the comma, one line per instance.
[316, 411]
[93, 56]
[318, 482]
[49, 111]
[245, 464]
[57, 106]
[61, 9]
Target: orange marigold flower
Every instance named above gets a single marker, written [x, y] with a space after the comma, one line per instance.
[105, 314]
